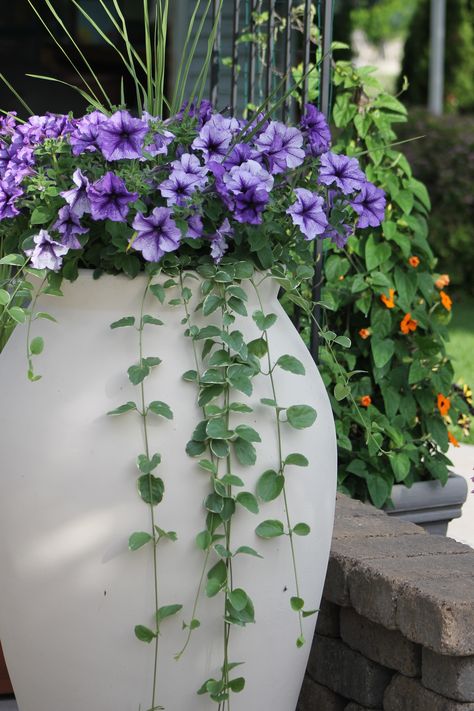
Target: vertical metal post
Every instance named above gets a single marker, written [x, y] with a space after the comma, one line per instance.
[270, 47]
[235, 57]
[287, 61]
[324, 98]
[437, 42]
[306, 49]
[215, 59]
[252, 55]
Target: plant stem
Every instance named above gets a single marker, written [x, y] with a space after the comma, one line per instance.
[144, 414]
[280, 460]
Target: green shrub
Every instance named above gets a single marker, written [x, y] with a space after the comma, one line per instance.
[391, 427]
[444, 160]
[459, 58]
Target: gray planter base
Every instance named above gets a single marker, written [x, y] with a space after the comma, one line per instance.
[429, 504]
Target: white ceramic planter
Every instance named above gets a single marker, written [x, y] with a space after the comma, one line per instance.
[70, 591]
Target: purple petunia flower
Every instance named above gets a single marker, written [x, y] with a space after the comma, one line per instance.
[8, 124]
[68, 225]
[249, 174]
[219, 244]
[195, 227]
[282, 146]
[122, 136]
[213, 142]
[203, 112]
[9, 193]
[178, 188]
[240, 154]
[308, 213]
[316, 130]
[250, 204]
[160, 139]
[157, 234]
[47, 254]
[338, 235]
[342, 171]
[85, 134]
[189, 164]
[369, 205]
[38, 128]
[225, 123]
[77, 198]
[109, 198]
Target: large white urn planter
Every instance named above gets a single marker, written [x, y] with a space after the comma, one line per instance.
[70, 590]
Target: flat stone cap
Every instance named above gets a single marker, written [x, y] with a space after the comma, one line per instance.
[395, 574]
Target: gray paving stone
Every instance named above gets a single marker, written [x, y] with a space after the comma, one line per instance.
[334, 665]
[357, 707]
[328, 619]
[380, 589]
[450, 676]
[405, 694]
[439, 614]
[387, 647]
[315, 697]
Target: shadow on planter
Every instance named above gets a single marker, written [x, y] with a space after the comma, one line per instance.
[429, 504]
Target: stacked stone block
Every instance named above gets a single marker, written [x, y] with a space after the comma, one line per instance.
[396, 627]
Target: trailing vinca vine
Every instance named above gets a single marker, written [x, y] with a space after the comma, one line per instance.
[150, 487]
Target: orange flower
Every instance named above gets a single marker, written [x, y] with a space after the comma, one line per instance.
[414, 262]
[389, 301]
[453, 439]
[445, 300]
[444, 403]
[365, 400]
[442, 281]
[408, 324]
[364, 333]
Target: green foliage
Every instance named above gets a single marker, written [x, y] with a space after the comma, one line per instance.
[390, 428]
[459, 56]
[444, 161]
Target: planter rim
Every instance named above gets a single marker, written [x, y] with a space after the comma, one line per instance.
[430, 495]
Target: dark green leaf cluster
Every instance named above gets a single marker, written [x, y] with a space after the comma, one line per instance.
[382, 294]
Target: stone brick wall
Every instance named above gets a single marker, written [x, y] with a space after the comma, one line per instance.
[396, 627]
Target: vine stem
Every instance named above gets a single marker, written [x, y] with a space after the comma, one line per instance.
[144, 414]
[280, 458]
[30, 321]
[346, 383]
[179, 654]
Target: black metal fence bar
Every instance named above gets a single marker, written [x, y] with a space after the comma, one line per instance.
[252, 6]
[235, 57]
[215, 61]
[324, 102]
[287, 61]
[270, 47]
[306, 49]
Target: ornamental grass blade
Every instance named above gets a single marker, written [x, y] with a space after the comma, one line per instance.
[175, 105]
[127, 64]
[59, 45]
[148, 57]
[201, 83]
[17, 95]
[183, 78]
[93, 102]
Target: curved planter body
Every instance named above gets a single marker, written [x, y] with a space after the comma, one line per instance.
[70, 590]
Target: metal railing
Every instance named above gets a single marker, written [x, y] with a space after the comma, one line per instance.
[268, 39]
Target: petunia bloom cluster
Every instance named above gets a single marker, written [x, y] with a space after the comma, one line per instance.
[200, 183]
